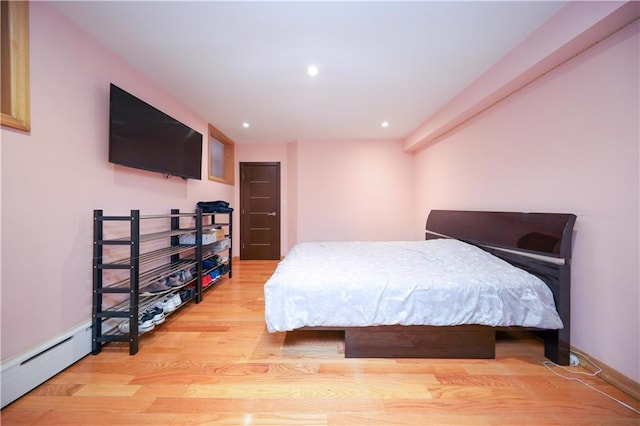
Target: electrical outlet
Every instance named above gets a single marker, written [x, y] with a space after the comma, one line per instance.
[573, 360]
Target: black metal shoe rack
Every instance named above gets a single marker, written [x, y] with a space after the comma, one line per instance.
[132, 288]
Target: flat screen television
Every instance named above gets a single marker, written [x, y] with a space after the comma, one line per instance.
[143, 137]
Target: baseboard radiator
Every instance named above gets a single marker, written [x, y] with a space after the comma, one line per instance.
[26, 371]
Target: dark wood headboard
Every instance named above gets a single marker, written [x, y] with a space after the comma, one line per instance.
[545, 234]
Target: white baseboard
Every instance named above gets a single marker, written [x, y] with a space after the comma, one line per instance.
[26, 371]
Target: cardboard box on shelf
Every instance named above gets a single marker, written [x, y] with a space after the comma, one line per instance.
[219, 233]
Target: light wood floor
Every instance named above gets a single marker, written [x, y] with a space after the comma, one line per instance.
[214, 363]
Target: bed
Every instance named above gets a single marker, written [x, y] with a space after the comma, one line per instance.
[475, 274]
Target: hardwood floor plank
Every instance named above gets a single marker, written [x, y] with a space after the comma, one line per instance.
[215, 363]
[80, 378]
[97, 405]
[53, 389]
[101, 419]
[388, 366]
[325, 391]
[106, 390]
[266, 406]
[165, 390]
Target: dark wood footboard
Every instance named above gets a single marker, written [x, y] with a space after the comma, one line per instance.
[397, 341]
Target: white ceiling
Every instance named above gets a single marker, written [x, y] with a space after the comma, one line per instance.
[232, 62]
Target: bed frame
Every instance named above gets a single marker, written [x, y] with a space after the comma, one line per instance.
[539, 243]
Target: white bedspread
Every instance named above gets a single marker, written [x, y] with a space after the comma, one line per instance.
[434, 282]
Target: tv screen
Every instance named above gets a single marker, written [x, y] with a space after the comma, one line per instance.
[144, 137]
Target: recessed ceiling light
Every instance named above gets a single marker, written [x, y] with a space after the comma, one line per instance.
[385, 124]
[245, 125]
[312, 70]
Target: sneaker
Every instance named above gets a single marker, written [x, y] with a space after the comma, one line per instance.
[185, 295]
[185, 275]
[145, 323]
[158, 314]
[211, 262]
[176, 300]
[167, 305]
[158, 286]
[206, 280]
[124, 327]
[174, 280]
[214, 274]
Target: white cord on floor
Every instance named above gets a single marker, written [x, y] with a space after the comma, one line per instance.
[598, 371]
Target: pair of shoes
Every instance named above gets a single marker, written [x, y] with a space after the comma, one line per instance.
[185, 275]
[174, 280]
[206, 280]
[169, 303]
[179, 278]
[145, 323]
[158, 314]
[214, 274]
[187, 294]
[211, 262]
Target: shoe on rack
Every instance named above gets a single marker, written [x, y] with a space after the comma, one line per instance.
[167, 305]
[176, 300]
[211, 262]
[174, 280]
[144, 325]
[185, 295]
[158, 314]
[158, 286]
[206, 280]
[185, 275]
[214, 274]
[124, 327]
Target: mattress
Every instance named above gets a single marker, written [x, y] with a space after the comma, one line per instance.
[440, 282]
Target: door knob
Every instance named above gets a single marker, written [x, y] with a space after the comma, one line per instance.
[271, 214]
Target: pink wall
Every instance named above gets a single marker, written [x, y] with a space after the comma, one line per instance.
[292, 190]
[354, 190]
[568, 142]
[574, 28]
[55, 176]
[339, 190]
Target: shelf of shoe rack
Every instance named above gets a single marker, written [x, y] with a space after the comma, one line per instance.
[138, 293]
[209, 250]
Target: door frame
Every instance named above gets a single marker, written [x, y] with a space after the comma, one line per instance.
[277, 164]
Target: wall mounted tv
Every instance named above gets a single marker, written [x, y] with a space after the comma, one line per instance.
[143, 137]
